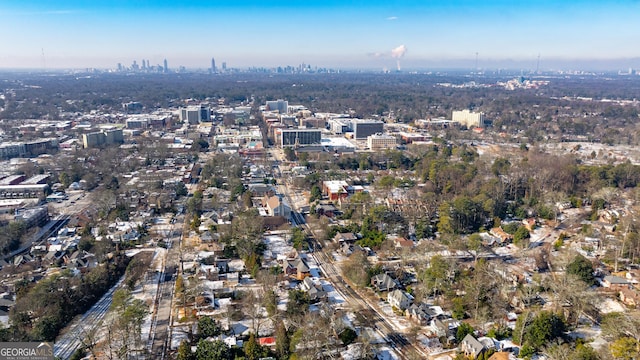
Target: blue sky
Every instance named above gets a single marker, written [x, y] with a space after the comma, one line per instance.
[92, 33]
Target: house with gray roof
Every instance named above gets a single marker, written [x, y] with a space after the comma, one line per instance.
[297, 268]
[315, 292]
[399, 299]
[470, 346]
[383, 282]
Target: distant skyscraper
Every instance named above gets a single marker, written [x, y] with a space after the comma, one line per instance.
[213, 65]
[144, 65]
[166, 66]
[224, 66]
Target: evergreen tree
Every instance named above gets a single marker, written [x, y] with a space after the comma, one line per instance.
[282, 340]
[583, 268]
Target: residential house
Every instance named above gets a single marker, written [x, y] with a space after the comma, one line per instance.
[615, 282]
[438, 328]
[501, 356]
[419, 313]
[297, 268]
[423, 313]
[233, 278]
[346, 249]
[471, 347]
[335, 189]
[383, 282]
[52, 257]
[402, 243]
[267, 341]
[348, 238]
[222, 265]
[488, 239]
[328, 210]
[260, 190]
[501, 235]
[488, 343]
[209, 272]
[82, 260]
[22, 259]
[399, 299]
[307, 284]
[276, 206]
[315, 292]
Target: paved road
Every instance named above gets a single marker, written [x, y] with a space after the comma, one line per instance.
[68, 343]
[402, 346]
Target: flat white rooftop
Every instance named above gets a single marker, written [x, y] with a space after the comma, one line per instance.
[336, 142]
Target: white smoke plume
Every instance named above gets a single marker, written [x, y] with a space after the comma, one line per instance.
[398, 53]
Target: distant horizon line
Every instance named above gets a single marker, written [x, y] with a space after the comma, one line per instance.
[544, 64]
[549, 64]
[377, 69]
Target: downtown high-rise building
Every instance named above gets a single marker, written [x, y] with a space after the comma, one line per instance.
[213, 66]
[165, 69]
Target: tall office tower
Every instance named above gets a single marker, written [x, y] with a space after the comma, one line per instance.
[468, 118]
[144, 65]
[119, 67]
[282, 106]
[224, 66]
[363, 128]
[213, 65]
[166, 66]
[134, 66]
[296, 137]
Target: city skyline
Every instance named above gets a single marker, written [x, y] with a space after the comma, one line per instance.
[349, 34]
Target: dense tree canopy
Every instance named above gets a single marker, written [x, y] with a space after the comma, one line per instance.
[583, 268]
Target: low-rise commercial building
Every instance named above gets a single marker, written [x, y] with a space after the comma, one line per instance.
[381, 141]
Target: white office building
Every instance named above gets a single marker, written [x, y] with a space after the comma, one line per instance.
[468, 118]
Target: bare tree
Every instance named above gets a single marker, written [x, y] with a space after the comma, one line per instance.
[252, 306]
[574, 298]
[557, 351]
[90, 339]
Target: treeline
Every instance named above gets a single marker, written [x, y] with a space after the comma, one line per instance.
[403, 97]
[463, 193]
[10, 235]
[44, 308]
